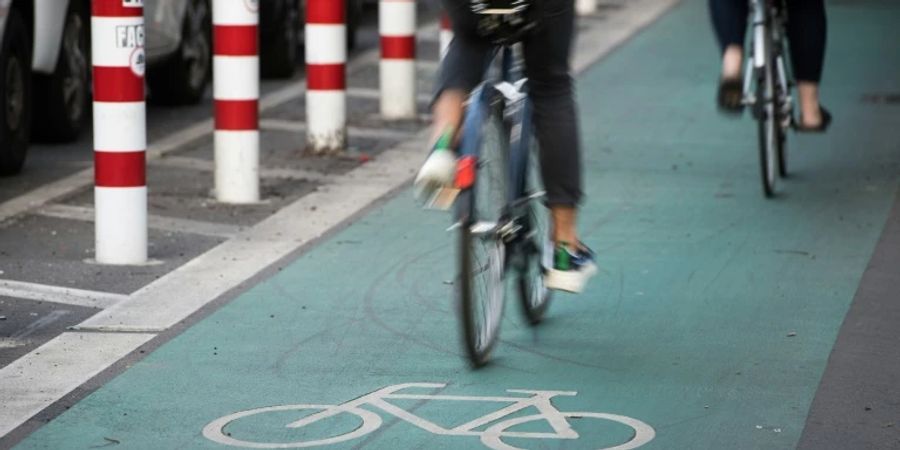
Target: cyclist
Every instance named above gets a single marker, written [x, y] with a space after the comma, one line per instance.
[545, 28]
[806, 30]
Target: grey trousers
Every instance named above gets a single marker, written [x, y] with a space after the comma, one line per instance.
[551, 87]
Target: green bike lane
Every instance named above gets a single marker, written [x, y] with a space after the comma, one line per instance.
[712, 318]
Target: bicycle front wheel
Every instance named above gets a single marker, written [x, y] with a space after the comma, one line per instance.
[767, 119]
[482, 253]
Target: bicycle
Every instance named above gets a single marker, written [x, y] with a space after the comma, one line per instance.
[499, 210]
[772, 99]
[490, 428]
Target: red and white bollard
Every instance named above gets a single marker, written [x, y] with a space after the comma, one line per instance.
[446, 35]
[120, 131]
[585, 7]
[326, 76]
[236, 93]
[397, 27]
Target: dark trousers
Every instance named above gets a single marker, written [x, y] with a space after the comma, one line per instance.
[551, 87]
[806, 30]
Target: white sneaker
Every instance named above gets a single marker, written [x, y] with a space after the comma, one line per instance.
[437, 173]
[571, 270]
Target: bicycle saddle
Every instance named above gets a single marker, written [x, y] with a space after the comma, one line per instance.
[504, 21]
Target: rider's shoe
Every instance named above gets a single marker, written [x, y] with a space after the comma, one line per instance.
[571, 269]
[730, 96]
[439, 170]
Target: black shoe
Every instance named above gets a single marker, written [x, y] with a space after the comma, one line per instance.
[821, 128]
[731, 96]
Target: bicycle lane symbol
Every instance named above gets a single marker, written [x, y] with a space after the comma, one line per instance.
[492, 436]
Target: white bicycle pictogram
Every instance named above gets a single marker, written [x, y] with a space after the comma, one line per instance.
[491, 436]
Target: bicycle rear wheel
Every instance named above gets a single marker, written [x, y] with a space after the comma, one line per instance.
[784, 109]
[482, 255]
[537, 250]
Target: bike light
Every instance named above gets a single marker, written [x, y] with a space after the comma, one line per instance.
[465, 172]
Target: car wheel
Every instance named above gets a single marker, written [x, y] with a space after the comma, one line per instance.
[354, 16]
[15, 94]
[183, 79]
[280, 32]
[62, 100]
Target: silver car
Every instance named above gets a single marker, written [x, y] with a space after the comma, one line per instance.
[179, 43]
[179, 49]
[44, 73]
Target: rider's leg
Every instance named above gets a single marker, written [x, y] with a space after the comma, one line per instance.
[555, 117]
[729, 18]
[807, 29]
[556, 123]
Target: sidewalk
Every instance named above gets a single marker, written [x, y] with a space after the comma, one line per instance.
[712, 319]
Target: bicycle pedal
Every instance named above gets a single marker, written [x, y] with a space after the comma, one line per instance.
[442, 199]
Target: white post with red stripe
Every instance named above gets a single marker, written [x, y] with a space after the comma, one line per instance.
[236, 93]
[446, 34]
[585, 7]
[326, 77]
[120, 131]
[397, 27]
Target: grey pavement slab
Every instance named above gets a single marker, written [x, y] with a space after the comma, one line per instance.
[186, 194]
[27, 324]
[54, 251]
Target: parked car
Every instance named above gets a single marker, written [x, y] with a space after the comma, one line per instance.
[44, 72]
[179, 43]
[179, 49]
[45, 68]
[281, 33]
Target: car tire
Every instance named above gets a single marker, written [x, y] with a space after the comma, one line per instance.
[62, 99]
[184, 77]
[280, 38]
[15, 94]
[354, 16]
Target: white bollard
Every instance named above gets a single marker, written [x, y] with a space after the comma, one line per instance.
[120, 132]
[446, 35]
[326, 77]
[585, 7]
[397, 27]
[236, 93]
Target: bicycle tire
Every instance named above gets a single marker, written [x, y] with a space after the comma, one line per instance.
[767, 129]
[783, 121]
[481, 251]
[536, 250]
[781, 148]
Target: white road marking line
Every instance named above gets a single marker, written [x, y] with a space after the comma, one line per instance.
[7, 343]
[86, 214]
[375, 94]
[295, 126]
[182, 162]
[42, 322]
[37, 380]
[62, 295]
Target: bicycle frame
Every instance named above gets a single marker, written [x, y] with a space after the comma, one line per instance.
[505, 89]
[767, 18]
